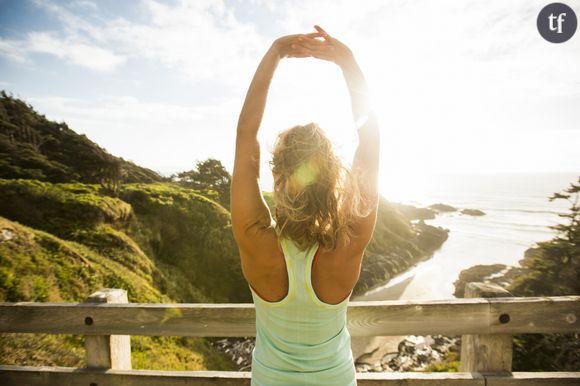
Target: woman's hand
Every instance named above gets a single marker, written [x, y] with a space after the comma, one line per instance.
[330, 48]
[289, 46]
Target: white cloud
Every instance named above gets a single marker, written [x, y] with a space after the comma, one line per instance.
[201, 39]
[6, 84]
[84, 55]
[271, 5]
[77, 43]
[161, 136]
[13, 50]
[85, 4]
[119, 110]
[494, 43]
[75, 24]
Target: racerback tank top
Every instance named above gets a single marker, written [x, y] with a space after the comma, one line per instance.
[301, 340]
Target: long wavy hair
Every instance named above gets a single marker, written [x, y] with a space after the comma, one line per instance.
[316, 196]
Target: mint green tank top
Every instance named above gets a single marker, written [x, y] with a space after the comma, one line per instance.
[301, 340]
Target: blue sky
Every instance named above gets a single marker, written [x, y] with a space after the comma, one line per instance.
[460, 86]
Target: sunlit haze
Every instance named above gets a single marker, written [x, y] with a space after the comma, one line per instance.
[459, 86]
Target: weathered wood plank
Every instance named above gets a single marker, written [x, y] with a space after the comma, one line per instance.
[365, 318]
[131, 319]
[404, 317]
[535, 315]
[534, 379]
[420, 379]
[64, 376]
[108, 351]
[369, 318]
[491, 352]
[44, 376]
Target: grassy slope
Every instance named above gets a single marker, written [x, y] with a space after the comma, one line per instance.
[166, 233]
[37, 266]
[89, 248]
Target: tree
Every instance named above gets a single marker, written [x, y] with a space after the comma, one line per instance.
[110, 173]
[567, 242]
[553, 269]
[555, 265]
[210, 177]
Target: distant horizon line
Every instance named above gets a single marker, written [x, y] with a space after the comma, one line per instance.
[478, 172]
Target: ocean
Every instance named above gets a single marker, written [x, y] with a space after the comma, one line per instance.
[518, 214]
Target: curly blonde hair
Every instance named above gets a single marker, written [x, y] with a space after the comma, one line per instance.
[315, 195]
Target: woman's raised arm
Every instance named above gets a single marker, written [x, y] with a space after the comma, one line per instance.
[250, 214]
[365, 165]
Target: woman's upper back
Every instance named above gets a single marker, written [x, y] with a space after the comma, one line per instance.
[330, 275]
[300, 325]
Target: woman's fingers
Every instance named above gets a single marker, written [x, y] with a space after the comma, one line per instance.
[307, 45]
[298, 51]
[302, 52]
[322, 32]
[322, 55]
[299, 55]
[310, 43]
[312, 34]
[326, 49]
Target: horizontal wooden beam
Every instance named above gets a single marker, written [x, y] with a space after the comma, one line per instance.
[544, 314]
[365, 318]
[45, 376]
[534, 379]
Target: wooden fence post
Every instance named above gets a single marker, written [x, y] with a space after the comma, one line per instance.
[107, 351]
[486, 352]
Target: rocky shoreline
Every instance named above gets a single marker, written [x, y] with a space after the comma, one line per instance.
[415, 353]
[239, 350]
[498, 274]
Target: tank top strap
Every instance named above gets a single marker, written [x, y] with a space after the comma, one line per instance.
[292, 251]
[294, 261]
[300, 262]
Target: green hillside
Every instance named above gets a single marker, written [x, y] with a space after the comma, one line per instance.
[78, 241]
[33, 147]
[38, 266]
[159, 230]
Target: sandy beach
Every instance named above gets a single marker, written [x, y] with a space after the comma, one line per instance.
[373, 348]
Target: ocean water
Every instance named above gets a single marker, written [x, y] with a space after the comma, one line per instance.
[518, 214]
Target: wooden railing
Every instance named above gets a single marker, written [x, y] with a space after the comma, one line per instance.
[486, 320]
